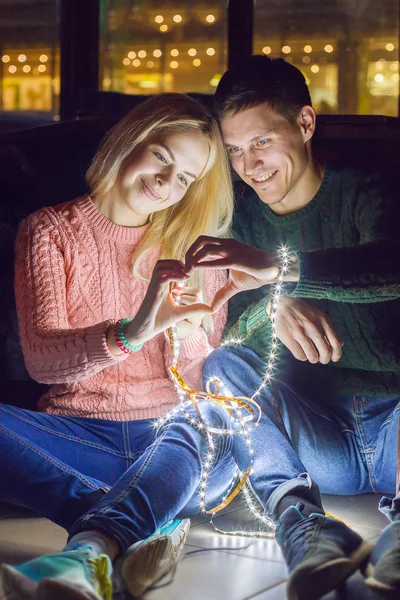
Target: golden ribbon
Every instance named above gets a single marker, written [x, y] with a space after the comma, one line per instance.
[228, 403]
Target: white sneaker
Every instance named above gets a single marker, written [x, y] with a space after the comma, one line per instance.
[144, 563]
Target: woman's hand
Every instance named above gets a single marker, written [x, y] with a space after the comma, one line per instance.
[249, 268]
[158, 310]
[188, 297]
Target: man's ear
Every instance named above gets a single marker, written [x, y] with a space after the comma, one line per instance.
[307, 122]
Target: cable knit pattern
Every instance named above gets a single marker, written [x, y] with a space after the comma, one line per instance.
[347, 243]
[73, 279]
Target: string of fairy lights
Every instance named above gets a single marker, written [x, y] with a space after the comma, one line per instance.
[242, 415]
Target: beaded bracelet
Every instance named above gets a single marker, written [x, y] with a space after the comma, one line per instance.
[121, 340]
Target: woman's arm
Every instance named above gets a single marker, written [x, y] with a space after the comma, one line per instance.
[53, 351]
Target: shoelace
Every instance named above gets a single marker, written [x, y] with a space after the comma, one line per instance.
[99, 568]
[298, 538]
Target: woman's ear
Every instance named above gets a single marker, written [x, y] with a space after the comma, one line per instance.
[307, 122]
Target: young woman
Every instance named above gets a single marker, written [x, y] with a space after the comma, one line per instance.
[93, 288]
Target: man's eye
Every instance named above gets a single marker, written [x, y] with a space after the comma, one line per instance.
[233, 150]
[161, 157]
[183, 180]
[263, 142]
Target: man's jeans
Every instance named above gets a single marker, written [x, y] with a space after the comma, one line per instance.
[345, 445]
[62, 467]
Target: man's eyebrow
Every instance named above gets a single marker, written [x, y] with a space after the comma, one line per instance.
[256, 137]
[172, 157]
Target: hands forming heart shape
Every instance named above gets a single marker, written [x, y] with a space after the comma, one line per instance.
[249, 268]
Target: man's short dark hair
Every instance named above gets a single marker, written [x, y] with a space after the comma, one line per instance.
[260, 80]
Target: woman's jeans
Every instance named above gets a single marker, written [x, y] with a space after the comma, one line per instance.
[341, 444]
[125, 479]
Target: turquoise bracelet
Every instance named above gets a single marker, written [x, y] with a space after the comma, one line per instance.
[121, 340]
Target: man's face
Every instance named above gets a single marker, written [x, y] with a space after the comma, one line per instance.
[267, 152]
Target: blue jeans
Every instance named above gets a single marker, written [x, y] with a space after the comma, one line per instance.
[341, 445]
[125, 479]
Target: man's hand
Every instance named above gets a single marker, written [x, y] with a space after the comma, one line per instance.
[249, 268]
[306, 331]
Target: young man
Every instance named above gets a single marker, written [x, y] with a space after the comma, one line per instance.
[330, 415]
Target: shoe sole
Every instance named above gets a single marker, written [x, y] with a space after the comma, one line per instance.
[56, 589]
[154, 558]
[323, 579]
[14, 586]
[384, 590]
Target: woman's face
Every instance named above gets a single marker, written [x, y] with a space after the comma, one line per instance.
[161, 171]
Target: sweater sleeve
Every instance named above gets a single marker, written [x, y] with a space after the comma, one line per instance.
[53, 351]
[368, 272]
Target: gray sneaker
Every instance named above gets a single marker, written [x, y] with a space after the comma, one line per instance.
[320, 551]
[384, 567]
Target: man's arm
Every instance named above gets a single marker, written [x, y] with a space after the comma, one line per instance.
[362, 274]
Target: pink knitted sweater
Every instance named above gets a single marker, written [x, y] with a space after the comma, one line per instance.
[74, 278]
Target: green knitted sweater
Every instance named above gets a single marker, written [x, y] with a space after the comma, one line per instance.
[346, 243]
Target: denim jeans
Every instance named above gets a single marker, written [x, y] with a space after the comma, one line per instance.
[125, 479]
[341, 444]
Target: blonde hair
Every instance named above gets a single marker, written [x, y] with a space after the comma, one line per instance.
[207, 206]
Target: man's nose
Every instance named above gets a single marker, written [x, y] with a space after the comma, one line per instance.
[252, 163]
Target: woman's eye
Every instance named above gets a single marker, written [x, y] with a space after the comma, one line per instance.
[183, 180]
[161, 157]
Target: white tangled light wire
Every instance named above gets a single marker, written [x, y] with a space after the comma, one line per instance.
[242, 424]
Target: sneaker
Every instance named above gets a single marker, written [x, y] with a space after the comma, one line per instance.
[384, 568]
[75, 575]
[144, 563]
[320, 551]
